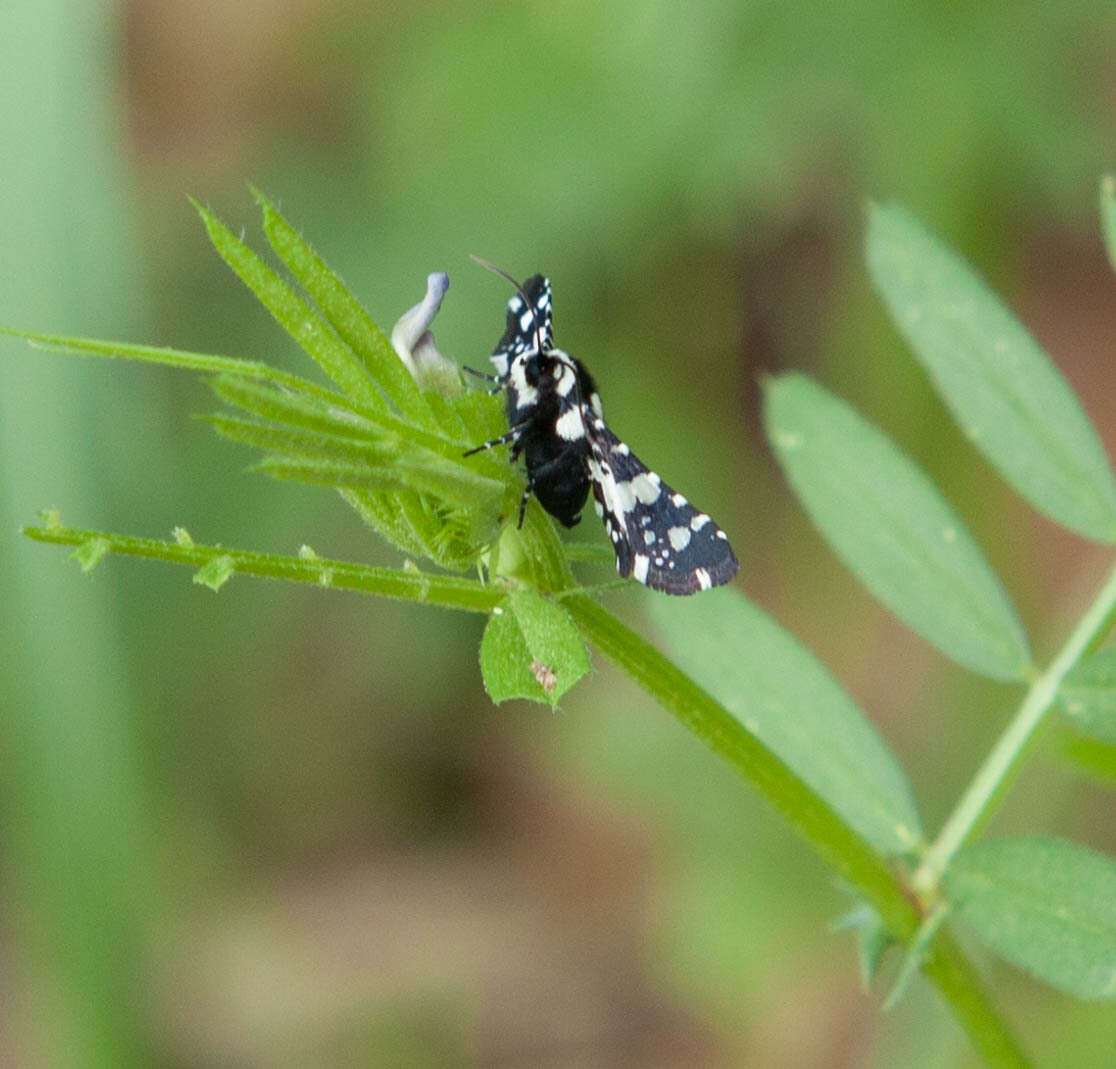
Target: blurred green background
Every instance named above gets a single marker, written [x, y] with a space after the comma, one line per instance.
[283, 827]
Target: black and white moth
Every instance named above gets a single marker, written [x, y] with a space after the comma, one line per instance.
[555, 421]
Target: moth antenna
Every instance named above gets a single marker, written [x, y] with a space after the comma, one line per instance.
[518, 289]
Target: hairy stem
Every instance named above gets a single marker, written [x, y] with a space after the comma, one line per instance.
[448, 591]
[980, 798]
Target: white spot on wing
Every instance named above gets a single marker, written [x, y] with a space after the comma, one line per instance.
[500, 362]
[699, 521]
[640, 566]
[679, 537]
[705, 581]
[645, 487]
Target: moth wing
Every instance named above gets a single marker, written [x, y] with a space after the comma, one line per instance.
[528, 324]
[659, 538]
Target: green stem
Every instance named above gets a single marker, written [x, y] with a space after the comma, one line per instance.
[451, 592]
[977, 803]
[946, 967]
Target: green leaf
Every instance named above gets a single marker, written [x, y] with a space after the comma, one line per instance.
[345, 314]
[298, 410]
[1046, 905]
[453, 484]
[872, 939]
[294, 315]
[531, 649]
[1108, 216]
[1006, 395]
[782, 695]
[295, 442]
[1088, 695]
[889, 525]
[1090, 756]
[90, 553]
[183, 360]
[216, 572]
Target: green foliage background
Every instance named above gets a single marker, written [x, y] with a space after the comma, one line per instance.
[279, 821]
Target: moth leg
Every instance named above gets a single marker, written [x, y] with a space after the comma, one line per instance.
[487, 378]
[528, 490]
[481, 374]
[510, 435]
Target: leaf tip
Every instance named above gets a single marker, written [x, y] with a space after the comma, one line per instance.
[270, 212]
[200, 208]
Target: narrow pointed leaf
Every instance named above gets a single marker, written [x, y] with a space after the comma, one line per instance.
[1046, 905]
[872, 939]
[345, 314]
[1006, 395]
[1108, 216]
[232, 366]
[294, 315]
[297, 410]
[308, 445]
[333, 415]
[459, 486]
[783, 695]
[1088, 695]
[889, 525]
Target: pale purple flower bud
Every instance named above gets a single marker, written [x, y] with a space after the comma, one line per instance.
[413, 341]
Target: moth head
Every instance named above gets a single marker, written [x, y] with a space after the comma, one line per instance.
[532, 368]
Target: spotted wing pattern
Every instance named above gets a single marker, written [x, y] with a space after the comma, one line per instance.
[528, 326]
[659, 538]
[555, 421]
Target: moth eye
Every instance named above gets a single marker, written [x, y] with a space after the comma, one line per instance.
[531, 372]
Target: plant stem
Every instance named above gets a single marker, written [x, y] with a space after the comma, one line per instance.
[448, 591]
[978, 801]
[946, 967]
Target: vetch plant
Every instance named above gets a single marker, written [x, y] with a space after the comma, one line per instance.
[391, 433]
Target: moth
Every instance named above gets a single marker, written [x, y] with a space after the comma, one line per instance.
[555, 421]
